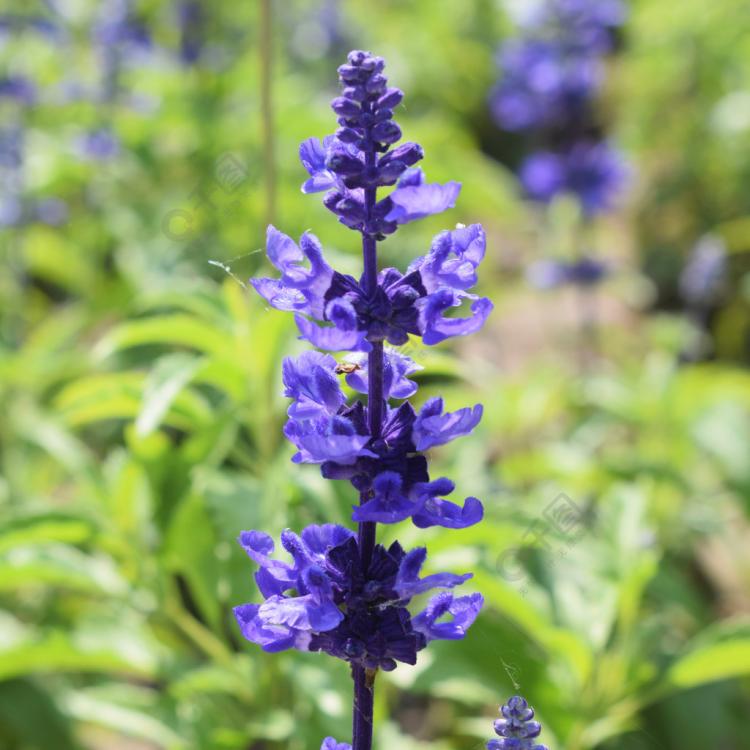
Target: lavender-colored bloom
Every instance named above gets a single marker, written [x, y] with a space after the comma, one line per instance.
[11, 211]
[517, 729]
[545, 84]
[590, 23]
[704, 277]
[436, 327]
[396, 370]
[585, 271]
[191, 21]
[593, 172]
[432, 427]
[462, 611]
[18, 88]
[344, 594]
[11, 147]
[51, 211]
[117, 27]
[335, 312]
[414, 199]
[13, 23]
[299, 289]
[453, 259]
[328, 431]
[100, 144]
[330, 744]
[325, 600]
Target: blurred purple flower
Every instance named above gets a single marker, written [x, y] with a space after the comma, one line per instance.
[100, 144]
[11, 211]
[593, 172]
[543, 85]
[52, 211]
[585, 271]
[191, 17]
[703, 279]
[19, 88]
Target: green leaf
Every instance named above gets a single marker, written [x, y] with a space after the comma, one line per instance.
[190, 551]
[165, 381]
[43, 529]
[31, 718]
[711, 662]
[119, 396]
[57, 651]
[166, 330]
[60, 566]
[86, 706]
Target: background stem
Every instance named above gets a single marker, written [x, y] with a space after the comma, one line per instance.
[266, 105]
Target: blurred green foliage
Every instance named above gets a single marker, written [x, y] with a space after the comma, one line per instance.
[142, 413]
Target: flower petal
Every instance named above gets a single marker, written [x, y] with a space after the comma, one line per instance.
[412, 201]
[436, 327]
[432, 427]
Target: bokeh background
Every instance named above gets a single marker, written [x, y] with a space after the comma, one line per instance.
[144, 146]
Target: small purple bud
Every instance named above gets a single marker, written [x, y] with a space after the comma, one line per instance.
[390, 172]
[350, 74]
[390, 99]
[351, 209]
[409, 153]
[372, 64]
[343, 163]
[347, 135]
[376, 85]
[386, 132]
[345, 107]
[355, 93]
[356, 57]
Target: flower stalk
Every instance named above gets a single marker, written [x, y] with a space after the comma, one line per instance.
[343, 593]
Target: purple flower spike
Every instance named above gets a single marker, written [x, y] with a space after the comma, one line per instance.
[517, 728]
[344, 594]
[594, 173]
[432, 427]
[19, 88]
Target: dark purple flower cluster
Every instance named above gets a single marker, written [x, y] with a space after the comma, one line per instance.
[703, 281]
[344, 594]
[551, 77]
[517, 729]
[388, 470]
[18, 95]
[328, 600]
[337, 312]
[584, 271]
